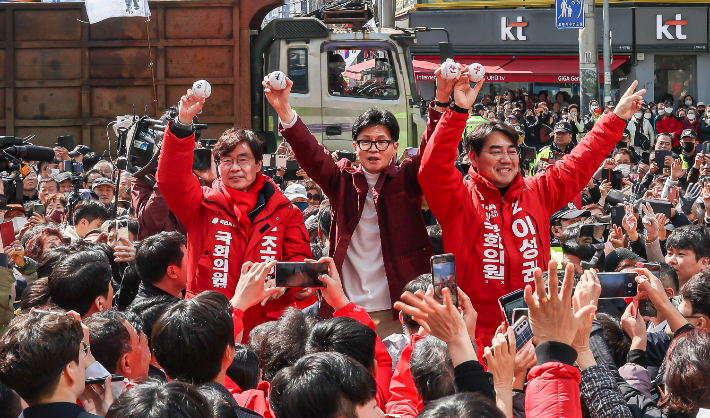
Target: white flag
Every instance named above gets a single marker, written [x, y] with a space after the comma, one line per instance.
[99, 10]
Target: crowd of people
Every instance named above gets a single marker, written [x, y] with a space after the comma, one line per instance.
[127, 296]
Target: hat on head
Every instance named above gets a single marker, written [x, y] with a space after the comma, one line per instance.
[478, 107]
[80, 149]
[569, 212]
[294, 191]
[102, 181]
[701, 104]
[627, 133]
[312, 222]
[688, 133]
[63, 177]
[563, 127]
[520, 129]
[610, 103]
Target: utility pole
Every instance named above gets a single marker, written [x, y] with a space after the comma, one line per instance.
[588, 58]
[607, 53]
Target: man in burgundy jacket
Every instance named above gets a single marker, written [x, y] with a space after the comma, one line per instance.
[378, 239]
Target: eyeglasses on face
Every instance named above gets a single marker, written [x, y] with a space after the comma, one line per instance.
[242, 162]
[380, 145]
[498, 154]
[315, 196]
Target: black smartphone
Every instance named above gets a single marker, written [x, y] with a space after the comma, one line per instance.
[294, 274]
[292, 168]
[654, 268]
[706, 148]
[351, 155]
[647, 308]
[443, 274]
[66, 141]
[617, 215]
[100, 381]
[527, 153]
[660, 158]
[593, 234]
[613, 177]
[645, 157]
[508, 303]
[661, 206]
[202, 159]
[39, 209]
[618, 285]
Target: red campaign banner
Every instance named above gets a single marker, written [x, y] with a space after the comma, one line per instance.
[515, 78]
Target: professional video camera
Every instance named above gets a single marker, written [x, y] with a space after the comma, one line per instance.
[13, 170]
[140, 143]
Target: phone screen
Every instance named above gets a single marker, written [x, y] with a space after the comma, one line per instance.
[412, 152]
[292, 274]
[647, 308]
[520, 312]
[443, 274]
[617, 285]
[510, 302]
[202, 159]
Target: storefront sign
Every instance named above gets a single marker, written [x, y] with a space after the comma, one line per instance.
[673, 28]
[505, 31]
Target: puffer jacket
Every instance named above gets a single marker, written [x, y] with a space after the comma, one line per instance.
[553, 385]
[217, 244]
[499, 241]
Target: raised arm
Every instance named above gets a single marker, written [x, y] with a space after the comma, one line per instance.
[311, 155]
[181, 189]
[564, 180]
[437, 174]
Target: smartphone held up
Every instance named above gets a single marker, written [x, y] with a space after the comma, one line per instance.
[443, 275]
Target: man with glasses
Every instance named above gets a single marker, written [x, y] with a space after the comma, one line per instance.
[241, 217]
[496, 223]
[378, 240]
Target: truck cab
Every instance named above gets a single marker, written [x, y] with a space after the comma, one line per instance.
[339, 73]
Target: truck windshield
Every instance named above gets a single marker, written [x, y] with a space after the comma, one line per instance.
[367, 73]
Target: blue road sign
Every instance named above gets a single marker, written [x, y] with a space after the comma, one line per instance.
[570, 14]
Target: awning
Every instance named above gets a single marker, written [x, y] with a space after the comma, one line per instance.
[354, 71]
[424, 66]
[525, 69]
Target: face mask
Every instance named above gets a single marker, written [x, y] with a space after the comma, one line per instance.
[301, 205]
[669, 110]
[624, 168]
[53, 172]
[593, 108]
[688, 102]
[574, 114]
[647, 115]
[661, 111]
[691, 117]
[638, 115]
[555, 118]
[688, 146]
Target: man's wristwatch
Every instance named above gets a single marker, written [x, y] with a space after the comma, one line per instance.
[181, 125]
[442, 104]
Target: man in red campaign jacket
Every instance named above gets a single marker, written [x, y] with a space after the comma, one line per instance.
[496, 223]
[669, 124]
[241, 217]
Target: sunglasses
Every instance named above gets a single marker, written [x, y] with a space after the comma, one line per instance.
[313, 196]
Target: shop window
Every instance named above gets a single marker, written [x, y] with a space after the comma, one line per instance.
[673, 76]
[298, 69]
[367, 73]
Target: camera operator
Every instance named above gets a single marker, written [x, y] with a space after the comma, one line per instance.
[242, 216]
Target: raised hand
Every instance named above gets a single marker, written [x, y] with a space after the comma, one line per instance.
[630, 103]
[692, 192]
[251, 286]
[279, 99]
[189, 107]
[464, 95]
[616, 236]
[677, 170]
[650, 222]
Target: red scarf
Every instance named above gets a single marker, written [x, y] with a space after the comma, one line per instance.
[243, 202]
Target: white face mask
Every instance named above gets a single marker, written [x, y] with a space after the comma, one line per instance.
[661, 111]
[573, 114]
[669, 110]
[593, 108]
[624, 168]
[647, 115]
[691, 117]
[638, 115]
[688, 102]
[53, 172]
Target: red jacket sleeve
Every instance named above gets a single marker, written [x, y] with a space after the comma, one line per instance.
[404, 398]
[382, 356]
[563, 181]
[150, 207]
[437, 175]
[312, 156]
[553, 385]
[180, 187]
